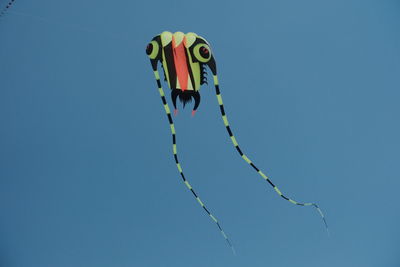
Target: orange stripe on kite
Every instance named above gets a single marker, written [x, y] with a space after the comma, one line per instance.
[182, 72]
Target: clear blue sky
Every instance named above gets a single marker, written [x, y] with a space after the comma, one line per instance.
[87, 176]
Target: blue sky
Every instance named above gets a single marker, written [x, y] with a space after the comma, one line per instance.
[87, 176]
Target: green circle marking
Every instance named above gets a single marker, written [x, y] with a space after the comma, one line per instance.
[196, 51]
[156, 47]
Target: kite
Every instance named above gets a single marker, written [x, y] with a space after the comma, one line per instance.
[6, 7]
[184, 58]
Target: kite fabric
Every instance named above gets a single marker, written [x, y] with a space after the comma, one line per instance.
[184, 58]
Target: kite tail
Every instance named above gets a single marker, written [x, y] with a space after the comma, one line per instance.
[186, 182]
[266, 178]
[6, 8]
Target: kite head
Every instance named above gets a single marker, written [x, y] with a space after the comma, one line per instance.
[184, 58]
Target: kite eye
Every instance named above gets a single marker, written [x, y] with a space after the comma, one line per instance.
[152, 49]
[149, 48]
[202, 53]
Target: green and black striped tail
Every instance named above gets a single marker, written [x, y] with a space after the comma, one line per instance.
[186, 182]
[9, 4]
[235, 143]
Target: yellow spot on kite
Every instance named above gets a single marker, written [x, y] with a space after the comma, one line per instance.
[215, 80]
[235, 143]
[246, 159]
[201, 203]
[167, 109]
[166, 38]
[278, 191]
[263, 175]
[226, 123]
[188, 185]
[156, 74]
[214, 219]
[172, 128]
[219, 99]
[179, 167]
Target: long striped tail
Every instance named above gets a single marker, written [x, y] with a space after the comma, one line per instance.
[6, 7]
[186, 182]
[266, 178]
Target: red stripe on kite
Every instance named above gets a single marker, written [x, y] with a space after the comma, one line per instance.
[181, 68]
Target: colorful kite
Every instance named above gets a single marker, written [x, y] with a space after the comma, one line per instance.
[184, 58]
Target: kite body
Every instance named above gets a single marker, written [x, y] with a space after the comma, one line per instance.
[184, 58]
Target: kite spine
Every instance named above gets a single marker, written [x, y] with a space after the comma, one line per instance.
[245, 158]
[174, 149]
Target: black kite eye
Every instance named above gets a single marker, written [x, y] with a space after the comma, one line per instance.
[152, 49]
[149, 48]
[202, 53]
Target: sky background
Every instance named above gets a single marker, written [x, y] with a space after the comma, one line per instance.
[87, 176]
